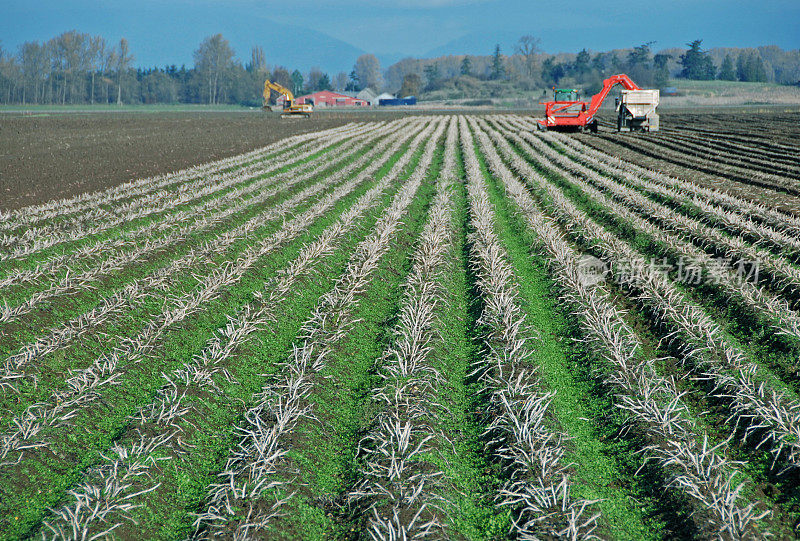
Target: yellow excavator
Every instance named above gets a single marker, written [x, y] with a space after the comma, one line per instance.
[290, 108]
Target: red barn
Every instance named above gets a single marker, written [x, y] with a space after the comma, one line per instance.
[327, 98]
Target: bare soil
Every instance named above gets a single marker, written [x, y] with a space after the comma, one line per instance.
[52, 157]
[767, 128]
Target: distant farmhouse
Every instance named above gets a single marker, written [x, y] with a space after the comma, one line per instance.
[328, 98]
[368, 95]
[364, 98]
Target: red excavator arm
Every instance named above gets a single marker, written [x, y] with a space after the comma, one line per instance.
[579, 114]
[608, 84]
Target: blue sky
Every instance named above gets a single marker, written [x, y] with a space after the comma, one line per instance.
[416, 26]
[164, 32]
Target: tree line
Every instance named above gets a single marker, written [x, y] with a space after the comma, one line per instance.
[77, 68]
[528, 68]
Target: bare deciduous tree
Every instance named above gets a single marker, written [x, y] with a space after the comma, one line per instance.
[213, 60]
[313, 79]
[258, 62]
[96, 54]
[368, 71]
[35, 67]
[123, 59]
[528, 47]
[340, 81]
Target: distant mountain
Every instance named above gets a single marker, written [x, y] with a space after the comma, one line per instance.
[168, 32]
[387, 59]
[553, 40]
[477, 44]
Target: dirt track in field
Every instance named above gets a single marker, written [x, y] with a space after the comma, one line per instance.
[52, 157]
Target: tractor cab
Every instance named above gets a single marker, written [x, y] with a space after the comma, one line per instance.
[563, 95]
[564, 111]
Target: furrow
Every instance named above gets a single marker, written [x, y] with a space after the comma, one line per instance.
[243, 503]
[131, 468]
[702, 471]
[538, 490]
[397, 487]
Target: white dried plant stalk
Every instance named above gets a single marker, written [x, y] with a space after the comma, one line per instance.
[396, 490]
[253, 467]
[168, 414]
[783, 221]
[89, 205]
[179, 224]
[735, 221]
[116, 262]
[83, 386]
[539, 488]
[766, 412]
[702, 472]
[759, 299]
[36, 239]
[13, 370]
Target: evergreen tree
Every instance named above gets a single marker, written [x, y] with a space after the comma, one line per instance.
[498, 69]
[755, 69]
[552, 73]
[582, 62]
[726, 71]
[696, 63]
[466, 66]
[741, 66]
[297, 82]
[661, 63]
[750, 68]
[432, 75]
[324, 83]
[353, 85]
[599, 62]
[639, 66]
[640, 55]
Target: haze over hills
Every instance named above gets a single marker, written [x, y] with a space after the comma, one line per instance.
[244, 27]
[306, 33]
[479, 43]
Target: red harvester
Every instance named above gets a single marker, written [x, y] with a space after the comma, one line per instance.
[636, 108]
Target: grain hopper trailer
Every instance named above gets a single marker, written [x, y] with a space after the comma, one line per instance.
[636, 108]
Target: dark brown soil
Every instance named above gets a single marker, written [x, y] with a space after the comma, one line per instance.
[52, 157]
[713, 174]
